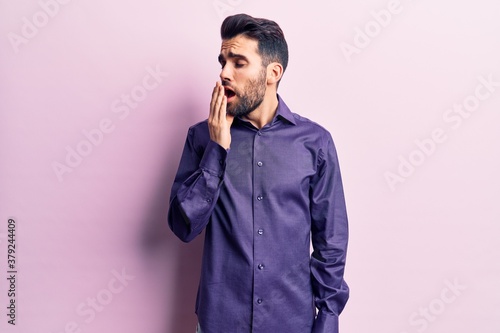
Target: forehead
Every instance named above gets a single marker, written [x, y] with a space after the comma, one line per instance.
[240, 45]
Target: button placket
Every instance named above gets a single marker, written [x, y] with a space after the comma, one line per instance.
[260, 207]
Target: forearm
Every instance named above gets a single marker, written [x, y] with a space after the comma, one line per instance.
[329, 232]
[191, 208]
[330, 292]
[193, 199]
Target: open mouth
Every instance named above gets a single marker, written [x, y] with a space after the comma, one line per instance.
[229, 93]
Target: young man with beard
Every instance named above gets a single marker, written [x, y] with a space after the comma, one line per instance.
[264, 182]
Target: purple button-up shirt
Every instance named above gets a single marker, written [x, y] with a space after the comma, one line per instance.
[262, 202]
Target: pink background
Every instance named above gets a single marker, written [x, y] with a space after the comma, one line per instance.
[424, 254]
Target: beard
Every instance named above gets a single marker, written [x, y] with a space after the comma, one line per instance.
[251, 97]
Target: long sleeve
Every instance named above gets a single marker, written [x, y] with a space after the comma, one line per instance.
[329, 233]
[196, 186]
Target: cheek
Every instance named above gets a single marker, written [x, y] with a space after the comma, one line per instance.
[240, 83]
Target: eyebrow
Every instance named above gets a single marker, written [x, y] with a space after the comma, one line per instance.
[232, 55]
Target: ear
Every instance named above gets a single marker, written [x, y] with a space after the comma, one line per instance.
[274, 72]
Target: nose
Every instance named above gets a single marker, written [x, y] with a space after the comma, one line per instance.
[226, 74]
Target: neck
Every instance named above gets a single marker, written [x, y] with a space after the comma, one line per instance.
[264, 114]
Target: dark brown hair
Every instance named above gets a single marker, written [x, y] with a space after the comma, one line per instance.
[268, 34]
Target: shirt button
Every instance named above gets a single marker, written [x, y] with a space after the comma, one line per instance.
[209, 200]
[259, 133]
[260, 197]
[259, 301]
[259, 163]
[261, 266]
[260, 231]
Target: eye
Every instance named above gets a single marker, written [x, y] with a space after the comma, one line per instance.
[239, 65]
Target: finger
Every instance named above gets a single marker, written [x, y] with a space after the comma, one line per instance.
[212, 101]
[218, 104]
[223, 107]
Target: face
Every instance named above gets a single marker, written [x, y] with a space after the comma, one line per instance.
[243, 76]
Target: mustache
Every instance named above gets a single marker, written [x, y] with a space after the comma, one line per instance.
[228, 85]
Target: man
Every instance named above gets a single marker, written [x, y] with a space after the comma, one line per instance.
[263, 182]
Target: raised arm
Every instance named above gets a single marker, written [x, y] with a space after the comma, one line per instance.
[197, 183]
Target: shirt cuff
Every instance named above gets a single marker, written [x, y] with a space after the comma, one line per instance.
[326, 323]
[214, 159]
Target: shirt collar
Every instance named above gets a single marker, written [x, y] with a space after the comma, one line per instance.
[284, 112]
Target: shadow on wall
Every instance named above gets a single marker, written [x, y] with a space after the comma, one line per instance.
[160, 245]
